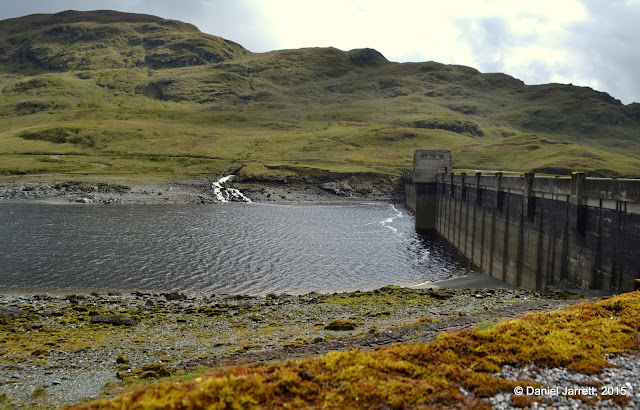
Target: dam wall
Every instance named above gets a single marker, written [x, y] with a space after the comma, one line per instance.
[535, 231]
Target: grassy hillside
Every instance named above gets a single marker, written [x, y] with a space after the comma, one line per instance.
[108, 93]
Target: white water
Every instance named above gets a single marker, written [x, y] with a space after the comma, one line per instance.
[224, 193]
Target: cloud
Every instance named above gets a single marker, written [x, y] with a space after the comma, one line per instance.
[588, 43]
[604, 48]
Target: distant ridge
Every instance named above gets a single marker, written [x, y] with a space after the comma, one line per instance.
[107, 83]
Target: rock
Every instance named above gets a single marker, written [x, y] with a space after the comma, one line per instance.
[44, 296]
[73, 299]
[114, 293]
[11, 313]
[341, 325]
[440, 294]
[331, 187]
[95, 294]
[155, 370]
[115, 320]
[122, 359]
[174, 296]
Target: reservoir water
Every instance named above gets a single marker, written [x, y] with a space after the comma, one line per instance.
[226, 249]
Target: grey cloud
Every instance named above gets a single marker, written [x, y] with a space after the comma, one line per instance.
[489, 38]
[606, 47]
[603, 49]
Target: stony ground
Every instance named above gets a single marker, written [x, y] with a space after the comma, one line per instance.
[57, 349]
[197, 191]
[614, 388]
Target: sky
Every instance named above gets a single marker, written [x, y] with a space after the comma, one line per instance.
[593, 43]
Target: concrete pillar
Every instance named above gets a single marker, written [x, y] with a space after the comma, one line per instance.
[528, 197]
[499, 199]
[427, 164]
[577, 212]
[478, 189]
[426, 205]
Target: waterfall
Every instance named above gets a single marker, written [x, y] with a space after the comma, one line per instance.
[225, 193]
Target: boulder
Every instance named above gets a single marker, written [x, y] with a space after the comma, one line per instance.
[341, 325]
[11, 313]
[155, 370]
[174, 296]
[115, 320]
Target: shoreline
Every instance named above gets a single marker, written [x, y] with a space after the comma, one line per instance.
[58, 191]
[473, 281]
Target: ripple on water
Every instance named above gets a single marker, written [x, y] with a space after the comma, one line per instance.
[230, 248]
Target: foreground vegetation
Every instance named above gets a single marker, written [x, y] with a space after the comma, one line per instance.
[66, 349]
[431, 374]
[115, 94]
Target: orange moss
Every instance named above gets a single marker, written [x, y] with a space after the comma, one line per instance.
[429, 375]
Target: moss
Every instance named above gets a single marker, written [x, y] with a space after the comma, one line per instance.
[112, 388]
[341, 325]
[39, 393]
[486, 324]
[521, 401]
[248, 347]
[122, 359]
[376, 314]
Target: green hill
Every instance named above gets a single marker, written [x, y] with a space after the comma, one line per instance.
[107, 93]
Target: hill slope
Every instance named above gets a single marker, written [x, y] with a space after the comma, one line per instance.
[111, 93]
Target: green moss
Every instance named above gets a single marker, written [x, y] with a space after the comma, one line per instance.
[486, 324]
[122, 359]
[341, 325]
[39, 393]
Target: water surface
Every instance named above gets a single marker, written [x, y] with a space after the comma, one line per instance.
[226, 248]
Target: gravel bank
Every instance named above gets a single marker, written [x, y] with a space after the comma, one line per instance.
[57, 349]
[616, 387]
[199, 191]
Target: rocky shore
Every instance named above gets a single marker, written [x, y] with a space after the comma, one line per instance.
[199, 191]
[57, 349]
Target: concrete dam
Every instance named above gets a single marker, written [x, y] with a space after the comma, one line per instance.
[532, 231]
